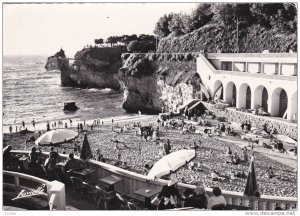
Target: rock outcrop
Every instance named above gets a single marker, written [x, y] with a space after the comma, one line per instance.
[94, 68]
[57, 61]
[152, 80]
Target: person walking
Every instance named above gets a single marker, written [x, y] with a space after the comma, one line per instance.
[33, 123]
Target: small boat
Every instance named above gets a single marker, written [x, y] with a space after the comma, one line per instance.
[70, 106]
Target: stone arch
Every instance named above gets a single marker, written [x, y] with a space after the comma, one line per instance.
[279, 102]
[244, 95]
[230, 94]
[261, 97]
[217, 85]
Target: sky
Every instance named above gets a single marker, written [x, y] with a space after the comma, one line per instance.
[42, 29]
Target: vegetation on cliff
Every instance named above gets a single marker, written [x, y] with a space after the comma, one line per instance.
[223, 27]
[130, 43]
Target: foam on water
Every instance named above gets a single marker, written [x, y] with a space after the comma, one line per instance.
[30, 92]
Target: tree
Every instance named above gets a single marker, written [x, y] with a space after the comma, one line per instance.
[99, 41]
[112, 40]
[200, 16]
[144, 37]
[177, 24]
[141, 46]
[162, 26]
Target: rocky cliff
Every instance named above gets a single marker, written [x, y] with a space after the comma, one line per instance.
[213, 38]
[94, 68]
[153, 80]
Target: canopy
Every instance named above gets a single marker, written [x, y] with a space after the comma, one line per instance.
[218, 93]
[205, 92]
[285, 139]
[171, 162]
[56, 136]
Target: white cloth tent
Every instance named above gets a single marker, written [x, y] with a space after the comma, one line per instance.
[171, 162]
[56, 136]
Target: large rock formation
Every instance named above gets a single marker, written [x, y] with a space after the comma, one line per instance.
[57, 61]
[152, 80]
[94, 68]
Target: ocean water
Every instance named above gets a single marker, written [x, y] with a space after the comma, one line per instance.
[30, 92]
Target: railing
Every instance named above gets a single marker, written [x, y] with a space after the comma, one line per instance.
[55, 190]
[133, 181]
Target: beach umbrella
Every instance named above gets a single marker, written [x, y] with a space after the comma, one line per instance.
[285, 139]
[171, 162]
[56, 136]
[86, 152]
[251, 185]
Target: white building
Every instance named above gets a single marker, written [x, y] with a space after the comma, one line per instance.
[251, 79]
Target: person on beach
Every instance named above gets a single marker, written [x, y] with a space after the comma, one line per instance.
[10, 129]
[48, 126]
[33, 123]
[70, 122]
[84, 122]
[16, 129]
[23, 123]
[78, 127]
[66, 125]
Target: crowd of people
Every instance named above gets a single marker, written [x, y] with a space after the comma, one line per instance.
[217, 163]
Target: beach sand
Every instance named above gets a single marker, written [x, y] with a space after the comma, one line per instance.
[212, 152]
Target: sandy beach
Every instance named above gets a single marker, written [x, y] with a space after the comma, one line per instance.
[212, 152]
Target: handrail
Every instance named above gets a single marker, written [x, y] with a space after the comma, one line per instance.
[237, 198]
[55, 189]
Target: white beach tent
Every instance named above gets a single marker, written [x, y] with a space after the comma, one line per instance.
[56, 136]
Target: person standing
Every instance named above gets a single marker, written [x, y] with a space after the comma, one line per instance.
[10, 129]
[33, 123]
[168, 146]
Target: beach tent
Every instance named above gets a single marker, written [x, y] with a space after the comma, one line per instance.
[171, 162]
[218, 93]
[204, 91]
[198, 108]
[56, 137]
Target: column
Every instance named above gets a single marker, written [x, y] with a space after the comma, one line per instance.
[59, 200]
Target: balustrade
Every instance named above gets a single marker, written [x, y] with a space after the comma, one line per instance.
[133, 181]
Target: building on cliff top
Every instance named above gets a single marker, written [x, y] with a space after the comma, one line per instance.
[249, 80]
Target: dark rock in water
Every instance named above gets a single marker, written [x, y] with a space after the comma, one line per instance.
[70, 106]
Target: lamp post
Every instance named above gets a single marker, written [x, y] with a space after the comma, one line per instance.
[237, 34]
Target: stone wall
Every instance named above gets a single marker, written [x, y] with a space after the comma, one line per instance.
[284, 128]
